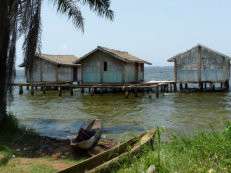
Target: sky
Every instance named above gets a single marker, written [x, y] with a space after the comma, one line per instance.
[154, 30]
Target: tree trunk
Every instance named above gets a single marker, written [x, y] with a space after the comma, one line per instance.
[4, 42]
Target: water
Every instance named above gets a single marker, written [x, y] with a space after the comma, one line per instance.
[61, 117]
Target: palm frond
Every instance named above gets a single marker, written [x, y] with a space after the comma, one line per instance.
[71, 9]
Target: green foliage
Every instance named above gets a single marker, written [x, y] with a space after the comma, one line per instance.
[15, 133]
[201, 152]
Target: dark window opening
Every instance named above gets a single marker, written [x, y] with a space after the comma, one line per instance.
[105, 66]
[142, 67]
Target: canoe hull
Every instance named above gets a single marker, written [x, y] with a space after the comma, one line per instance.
[106, 160]
[92, 141]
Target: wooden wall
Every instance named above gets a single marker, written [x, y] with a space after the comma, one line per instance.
[201, 64]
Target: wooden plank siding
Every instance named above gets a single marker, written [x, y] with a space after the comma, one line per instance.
[201, 65]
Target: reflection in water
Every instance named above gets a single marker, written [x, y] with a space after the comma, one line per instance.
[177, 112]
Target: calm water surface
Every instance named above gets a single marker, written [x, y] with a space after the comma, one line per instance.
[177, 112]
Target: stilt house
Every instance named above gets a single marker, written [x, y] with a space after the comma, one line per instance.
[53, 68]
[103, 65]
[201, 64]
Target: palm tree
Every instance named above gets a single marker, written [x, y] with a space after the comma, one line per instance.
[23, 18]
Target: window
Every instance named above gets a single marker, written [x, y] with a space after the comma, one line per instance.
[142, 67]
[105, 66]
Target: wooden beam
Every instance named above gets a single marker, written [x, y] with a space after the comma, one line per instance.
[72, 91]
[20, 90]
[101, 69]
[60, 91]
[224, 69]
[175, 69]
[57, 73]
[123, 72]
[157, 92]
[32, 90]
[199, 64]
[41, 70]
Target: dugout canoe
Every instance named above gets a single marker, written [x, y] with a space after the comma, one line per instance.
[109, 159]
[89, 137]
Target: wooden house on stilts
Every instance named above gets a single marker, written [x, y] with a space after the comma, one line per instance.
[104, 65]
[202, 65]
[53, 69]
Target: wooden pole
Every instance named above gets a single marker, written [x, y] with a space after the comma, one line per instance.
[201, 86]
[44, 90]
[136, 93]
[170, 87]
[181, 87]
[222, 85]
[92, 91]
[175, 69]
[166, 86]
[20, 90]
[27, 87]
[101, 91]
[199, 64]
[60, 91]
[175, 87]
[126, 94]
[211, 85]
[150, 94]
[32, 90]
[72, 91]
[82, 90]
[157, 92]
[186, 85]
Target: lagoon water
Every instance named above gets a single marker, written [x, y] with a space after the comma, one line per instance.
[61, 117]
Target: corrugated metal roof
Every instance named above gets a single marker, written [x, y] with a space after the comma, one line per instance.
[124, 56]
[199, 45]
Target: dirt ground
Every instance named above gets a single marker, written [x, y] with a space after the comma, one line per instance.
[58, 151]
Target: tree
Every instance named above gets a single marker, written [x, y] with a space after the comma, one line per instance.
[22, 18]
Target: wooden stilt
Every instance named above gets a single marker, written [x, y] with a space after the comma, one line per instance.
[161, 88]
[222, 85]
[89, 90]
[27, 87]
[36, 88]
[32, 90]
[205, 84]
[95, 90]
[166, 86]
[186, 85]
[20, 90]
[101, 91]
[136, 93]
[82, 90]
[175, 87]
[92, 91]
[157, 92]
[181, 87]
[150, 94]
[170, 87]
[201, 86]
[72, 91]
[211, 85]
[126, 94]
[60, 91]
[44, 90]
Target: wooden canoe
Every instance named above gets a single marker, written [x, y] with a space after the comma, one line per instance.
[109, 159]
[88, 137]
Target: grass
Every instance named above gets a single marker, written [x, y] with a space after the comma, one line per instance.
[204, 152]
[17, 135]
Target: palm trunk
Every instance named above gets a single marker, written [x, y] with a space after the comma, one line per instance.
[4, 42]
